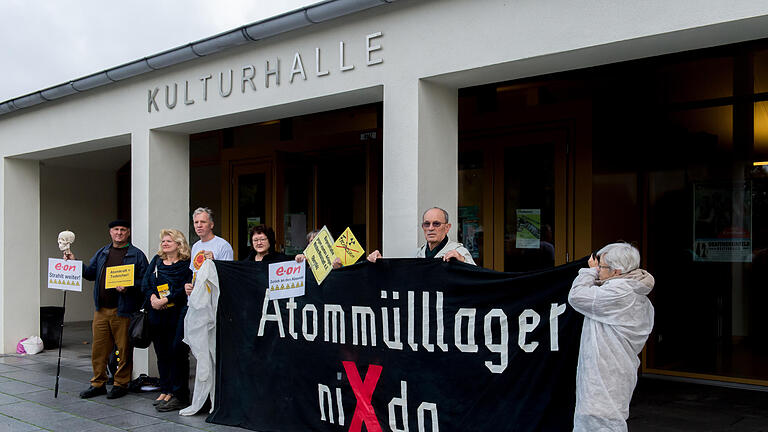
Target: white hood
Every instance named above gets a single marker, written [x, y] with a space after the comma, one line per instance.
[618, 317]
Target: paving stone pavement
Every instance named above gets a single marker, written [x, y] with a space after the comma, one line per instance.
[666, 406]
[27, 402]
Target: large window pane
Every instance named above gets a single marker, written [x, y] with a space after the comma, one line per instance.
[251, 208]
[470, 227]
[529, 207]
[684, 81]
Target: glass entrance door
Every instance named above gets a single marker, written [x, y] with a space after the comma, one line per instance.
[295, 193]
[252, 199]
[323, 189]
[295, 201]
[512, 200]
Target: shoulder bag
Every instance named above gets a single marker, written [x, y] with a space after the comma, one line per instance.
[138, 330]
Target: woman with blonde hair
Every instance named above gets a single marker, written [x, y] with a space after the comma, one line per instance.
[163, 288]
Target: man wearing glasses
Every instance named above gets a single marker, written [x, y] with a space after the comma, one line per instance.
[435, 225]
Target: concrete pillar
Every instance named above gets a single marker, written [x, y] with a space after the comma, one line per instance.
[19, 251]
[420, 161]
[159, 199]
[159, 186]
[438, 151]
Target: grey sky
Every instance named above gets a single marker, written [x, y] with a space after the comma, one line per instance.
[48, 42]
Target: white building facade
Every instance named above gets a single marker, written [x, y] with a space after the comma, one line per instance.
[186, 131]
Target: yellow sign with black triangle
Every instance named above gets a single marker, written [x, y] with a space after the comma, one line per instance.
[347, 248]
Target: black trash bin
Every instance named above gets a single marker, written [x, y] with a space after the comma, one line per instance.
[51, 318]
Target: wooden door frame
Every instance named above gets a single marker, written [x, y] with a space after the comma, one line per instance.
[562, 238]
[231, 170]
[234, 161]
[282, 159]
[373, 186]
[494, 142]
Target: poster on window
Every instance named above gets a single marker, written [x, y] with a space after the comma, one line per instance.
[528, 229]
[470, 234]
[722, 226]
[470, 229]
[295, 231]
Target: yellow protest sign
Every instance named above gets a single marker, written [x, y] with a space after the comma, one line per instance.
[164, 290]
[320, 255]
[347, 248]
[119, 276]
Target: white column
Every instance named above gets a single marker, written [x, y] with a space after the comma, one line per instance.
[439, 151]
[19, 251]
[420, 161]
[159, 199]
[400, 176]
[159, 186]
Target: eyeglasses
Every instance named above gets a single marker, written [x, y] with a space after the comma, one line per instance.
[435, 224]
[260, 240]
[604, 267]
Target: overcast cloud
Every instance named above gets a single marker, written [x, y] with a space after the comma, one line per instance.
[49, 42]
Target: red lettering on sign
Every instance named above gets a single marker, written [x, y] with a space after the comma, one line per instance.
[287, 271]
[364, 413]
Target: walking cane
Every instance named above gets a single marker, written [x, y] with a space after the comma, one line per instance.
[61, 342]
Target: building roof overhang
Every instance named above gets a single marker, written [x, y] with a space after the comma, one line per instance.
[249, 33]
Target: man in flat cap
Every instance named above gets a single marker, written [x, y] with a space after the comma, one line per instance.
[114, 307]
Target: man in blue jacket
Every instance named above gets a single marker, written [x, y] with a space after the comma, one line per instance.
[114, 307]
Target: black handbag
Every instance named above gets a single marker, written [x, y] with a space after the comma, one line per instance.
[138, 330]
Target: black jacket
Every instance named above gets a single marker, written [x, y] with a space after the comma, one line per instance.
[175, 275]
[130, 301]
[269, 258]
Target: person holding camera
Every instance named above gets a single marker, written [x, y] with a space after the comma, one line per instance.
[612, 294]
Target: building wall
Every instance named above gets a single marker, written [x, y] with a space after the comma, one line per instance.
[452, 43]
[19, 268]
[417, 42]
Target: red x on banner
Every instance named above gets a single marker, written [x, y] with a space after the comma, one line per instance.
[363, 390]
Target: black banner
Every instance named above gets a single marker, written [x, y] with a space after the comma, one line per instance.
[400, 345]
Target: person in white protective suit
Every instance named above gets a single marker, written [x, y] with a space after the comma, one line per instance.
[200, 335]
[612, 294]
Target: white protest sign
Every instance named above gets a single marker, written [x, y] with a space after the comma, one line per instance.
[287, 279]
[65, 274]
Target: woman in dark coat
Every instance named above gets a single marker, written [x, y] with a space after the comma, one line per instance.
[163, 288]
[263, 246]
